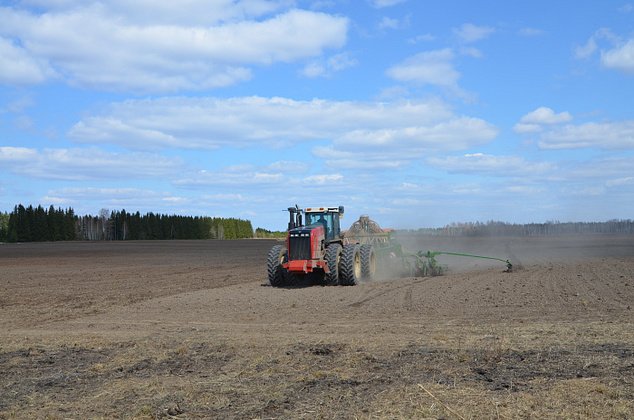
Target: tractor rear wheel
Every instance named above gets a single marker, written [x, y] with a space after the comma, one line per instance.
[368, 262]
[277, 273]
[333, 257]
[350, 265]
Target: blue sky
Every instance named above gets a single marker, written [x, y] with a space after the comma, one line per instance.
[416, 113]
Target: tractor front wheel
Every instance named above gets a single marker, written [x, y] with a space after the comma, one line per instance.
[333, 257]
[277, 273]
[350, 265]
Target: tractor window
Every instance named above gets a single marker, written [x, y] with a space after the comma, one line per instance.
[325, 219]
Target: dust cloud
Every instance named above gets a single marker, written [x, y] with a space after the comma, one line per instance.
[520, 251]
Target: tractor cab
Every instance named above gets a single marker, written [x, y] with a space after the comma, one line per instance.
[328, 218]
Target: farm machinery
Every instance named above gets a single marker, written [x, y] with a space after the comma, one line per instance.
[317, 247]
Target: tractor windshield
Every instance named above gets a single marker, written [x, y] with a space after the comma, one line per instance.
[326, 219]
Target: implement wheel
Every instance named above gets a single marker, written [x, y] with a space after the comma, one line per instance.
[277, 273]
[350, 265]
[333, 258]
[368, 262]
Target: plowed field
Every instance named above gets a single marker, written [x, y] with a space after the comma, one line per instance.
[189, 329]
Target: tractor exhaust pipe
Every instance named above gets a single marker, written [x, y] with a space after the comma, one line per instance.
[291, 222]
[295, 220]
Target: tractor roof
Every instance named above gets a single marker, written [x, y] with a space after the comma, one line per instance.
[323, 210]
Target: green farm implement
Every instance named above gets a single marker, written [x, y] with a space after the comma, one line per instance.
[392, 256]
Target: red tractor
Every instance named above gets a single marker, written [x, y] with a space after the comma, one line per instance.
[316, 248]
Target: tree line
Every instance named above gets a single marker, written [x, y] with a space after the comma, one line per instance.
[121, 225]
[32, 224]
[550, 228]
[268, 234]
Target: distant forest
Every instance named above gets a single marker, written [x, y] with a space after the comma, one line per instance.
[35, 224]
[32, 224]
[551, 228]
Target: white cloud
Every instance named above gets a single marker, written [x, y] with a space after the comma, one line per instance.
[535, 121]
[455, 134]
[409, 186]
[232, 178]
[99, 46]
[555, 134]
[79, 193]
[391, 149]
[341, 61]
[18, 155]
[287, 166]
[544, 115]
[523, 128]
[600, 169]
[585, 191]
[88, 200]
[191, 12]
[362, 160]
[173, 199]
[626, 8]
[392, 93]
[18, 105]
[471, 52]
[586, 50]
[628, 180]
[430, 67]
[18, 66]
[224, 197]
[530, 32]
[592, 45]
[469, 32]
[327, 67]
[314, 69]
[85, 164]
[524, 190]
[468, 189]
[620, 58]
[248, 121]
[230, 182]
[389, 23]
[361, 134]
[379, 4]
[421, 38]
[607, 135]
[485, 164]
[323, 179]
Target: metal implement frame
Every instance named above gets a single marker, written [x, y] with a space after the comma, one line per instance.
[430, 255]
[421, 263]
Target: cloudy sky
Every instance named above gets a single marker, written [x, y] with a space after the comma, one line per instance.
[416, 113]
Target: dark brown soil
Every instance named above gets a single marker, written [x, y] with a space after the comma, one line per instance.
[186, 329]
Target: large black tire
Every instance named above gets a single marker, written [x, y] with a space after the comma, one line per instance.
[333, 257]
[350, 265]
[368, 262]
[277, 273]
